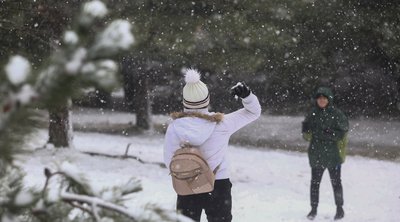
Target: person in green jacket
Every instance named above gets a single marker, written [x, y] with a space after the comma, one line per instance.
[326, 128]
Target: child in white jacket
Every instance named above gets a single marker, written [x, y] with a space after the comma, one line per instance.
[210, 132]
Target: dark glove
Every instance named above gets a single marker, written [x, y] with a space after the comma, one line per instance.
[241, 90]
[305, 127]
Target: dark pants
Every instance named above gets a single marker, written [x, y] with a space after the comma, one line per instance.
[336, 181]
[217, 204]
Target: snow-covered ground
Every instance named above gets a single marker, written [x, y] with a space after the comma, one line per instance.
[367, 137]
[267, 185]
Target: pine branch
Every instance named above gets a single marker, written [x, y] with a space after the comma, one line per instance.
[81, 59]
[69, 197]
[79, 200]
[49, 175]
[13, 131]
[85, 59]
[95, 212]
[84, 209]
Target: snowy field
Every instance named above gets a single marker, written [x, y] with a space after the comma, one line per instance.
[367, 137]
[267, 185]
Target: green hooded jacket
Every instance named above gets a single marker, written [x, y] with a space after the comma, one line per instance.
[326, 129]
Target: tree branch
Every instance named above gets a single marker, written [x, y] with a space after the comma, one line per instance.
[49, 175]
[95, 212]
[80, 207]
[127, 149]
[67, 197]
[126, 156]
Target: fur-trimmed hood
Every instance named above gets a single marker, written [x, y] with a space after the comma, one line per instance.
[216, 117]
[194, 127]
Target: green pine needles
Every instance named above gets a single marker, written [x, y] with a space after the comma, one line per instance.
[85, 58]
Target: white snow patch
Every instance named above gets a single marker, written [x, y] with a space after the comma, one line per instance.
[53, 194]
[18, 69]
[72, 171]
[75, 64]
[88, 68]
[115, 37]
[23, 198]
[71, 38]
[96, 9]
[103, 72]
[106, 67]
[26, 94]
[8, 218]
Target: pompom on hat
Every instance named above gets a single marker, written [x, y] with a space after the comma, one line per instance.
[195, 92]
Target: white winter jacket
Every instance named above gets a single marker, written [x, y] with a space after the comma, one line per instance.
[211, 138]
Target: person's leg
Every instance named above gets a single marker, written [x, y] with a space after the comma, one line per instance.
[218, 205]
[316, 177]
[335, 174]
[190, 206]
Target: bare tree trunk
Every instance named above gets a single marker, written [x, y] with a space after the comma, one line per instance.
[137, 90]
[128, 73]
[142, 103]
[60, 127]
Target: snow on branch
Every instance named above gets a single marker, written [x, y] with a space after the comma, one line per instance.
[68, 177]
[91, 11]
[71, 38]
[78, 59]
[18, 69]
[84, 58]
[116, 37]
[95, 201]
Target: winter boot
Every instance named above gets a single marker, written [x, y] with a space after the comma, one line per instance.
[312, 213]
[339, 213]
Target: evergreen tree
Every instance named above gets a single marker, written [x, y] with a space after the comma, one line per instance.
[82, 60]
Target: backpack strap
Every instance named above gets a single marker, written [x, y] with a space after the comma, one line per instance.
[216, 169]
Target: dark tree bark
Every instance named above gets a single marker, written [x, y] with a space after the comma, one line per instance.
[60, 130]
[137, 90]
[142, 103]
[127, 71]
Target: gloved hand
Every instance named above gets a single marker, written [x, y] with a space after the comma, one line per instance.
[305, 127]
[241, 90]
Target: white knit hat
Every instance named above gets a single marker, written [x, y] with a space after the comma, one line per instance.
[195, 92]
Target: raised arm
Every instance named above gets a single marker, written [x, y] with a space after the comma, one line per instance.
[251, 110]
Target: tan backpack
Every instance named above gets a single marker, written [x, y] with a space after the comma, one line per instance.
[190, 172]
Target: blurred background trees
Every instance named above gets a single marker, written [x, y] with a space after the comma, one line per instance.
[284, 49]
